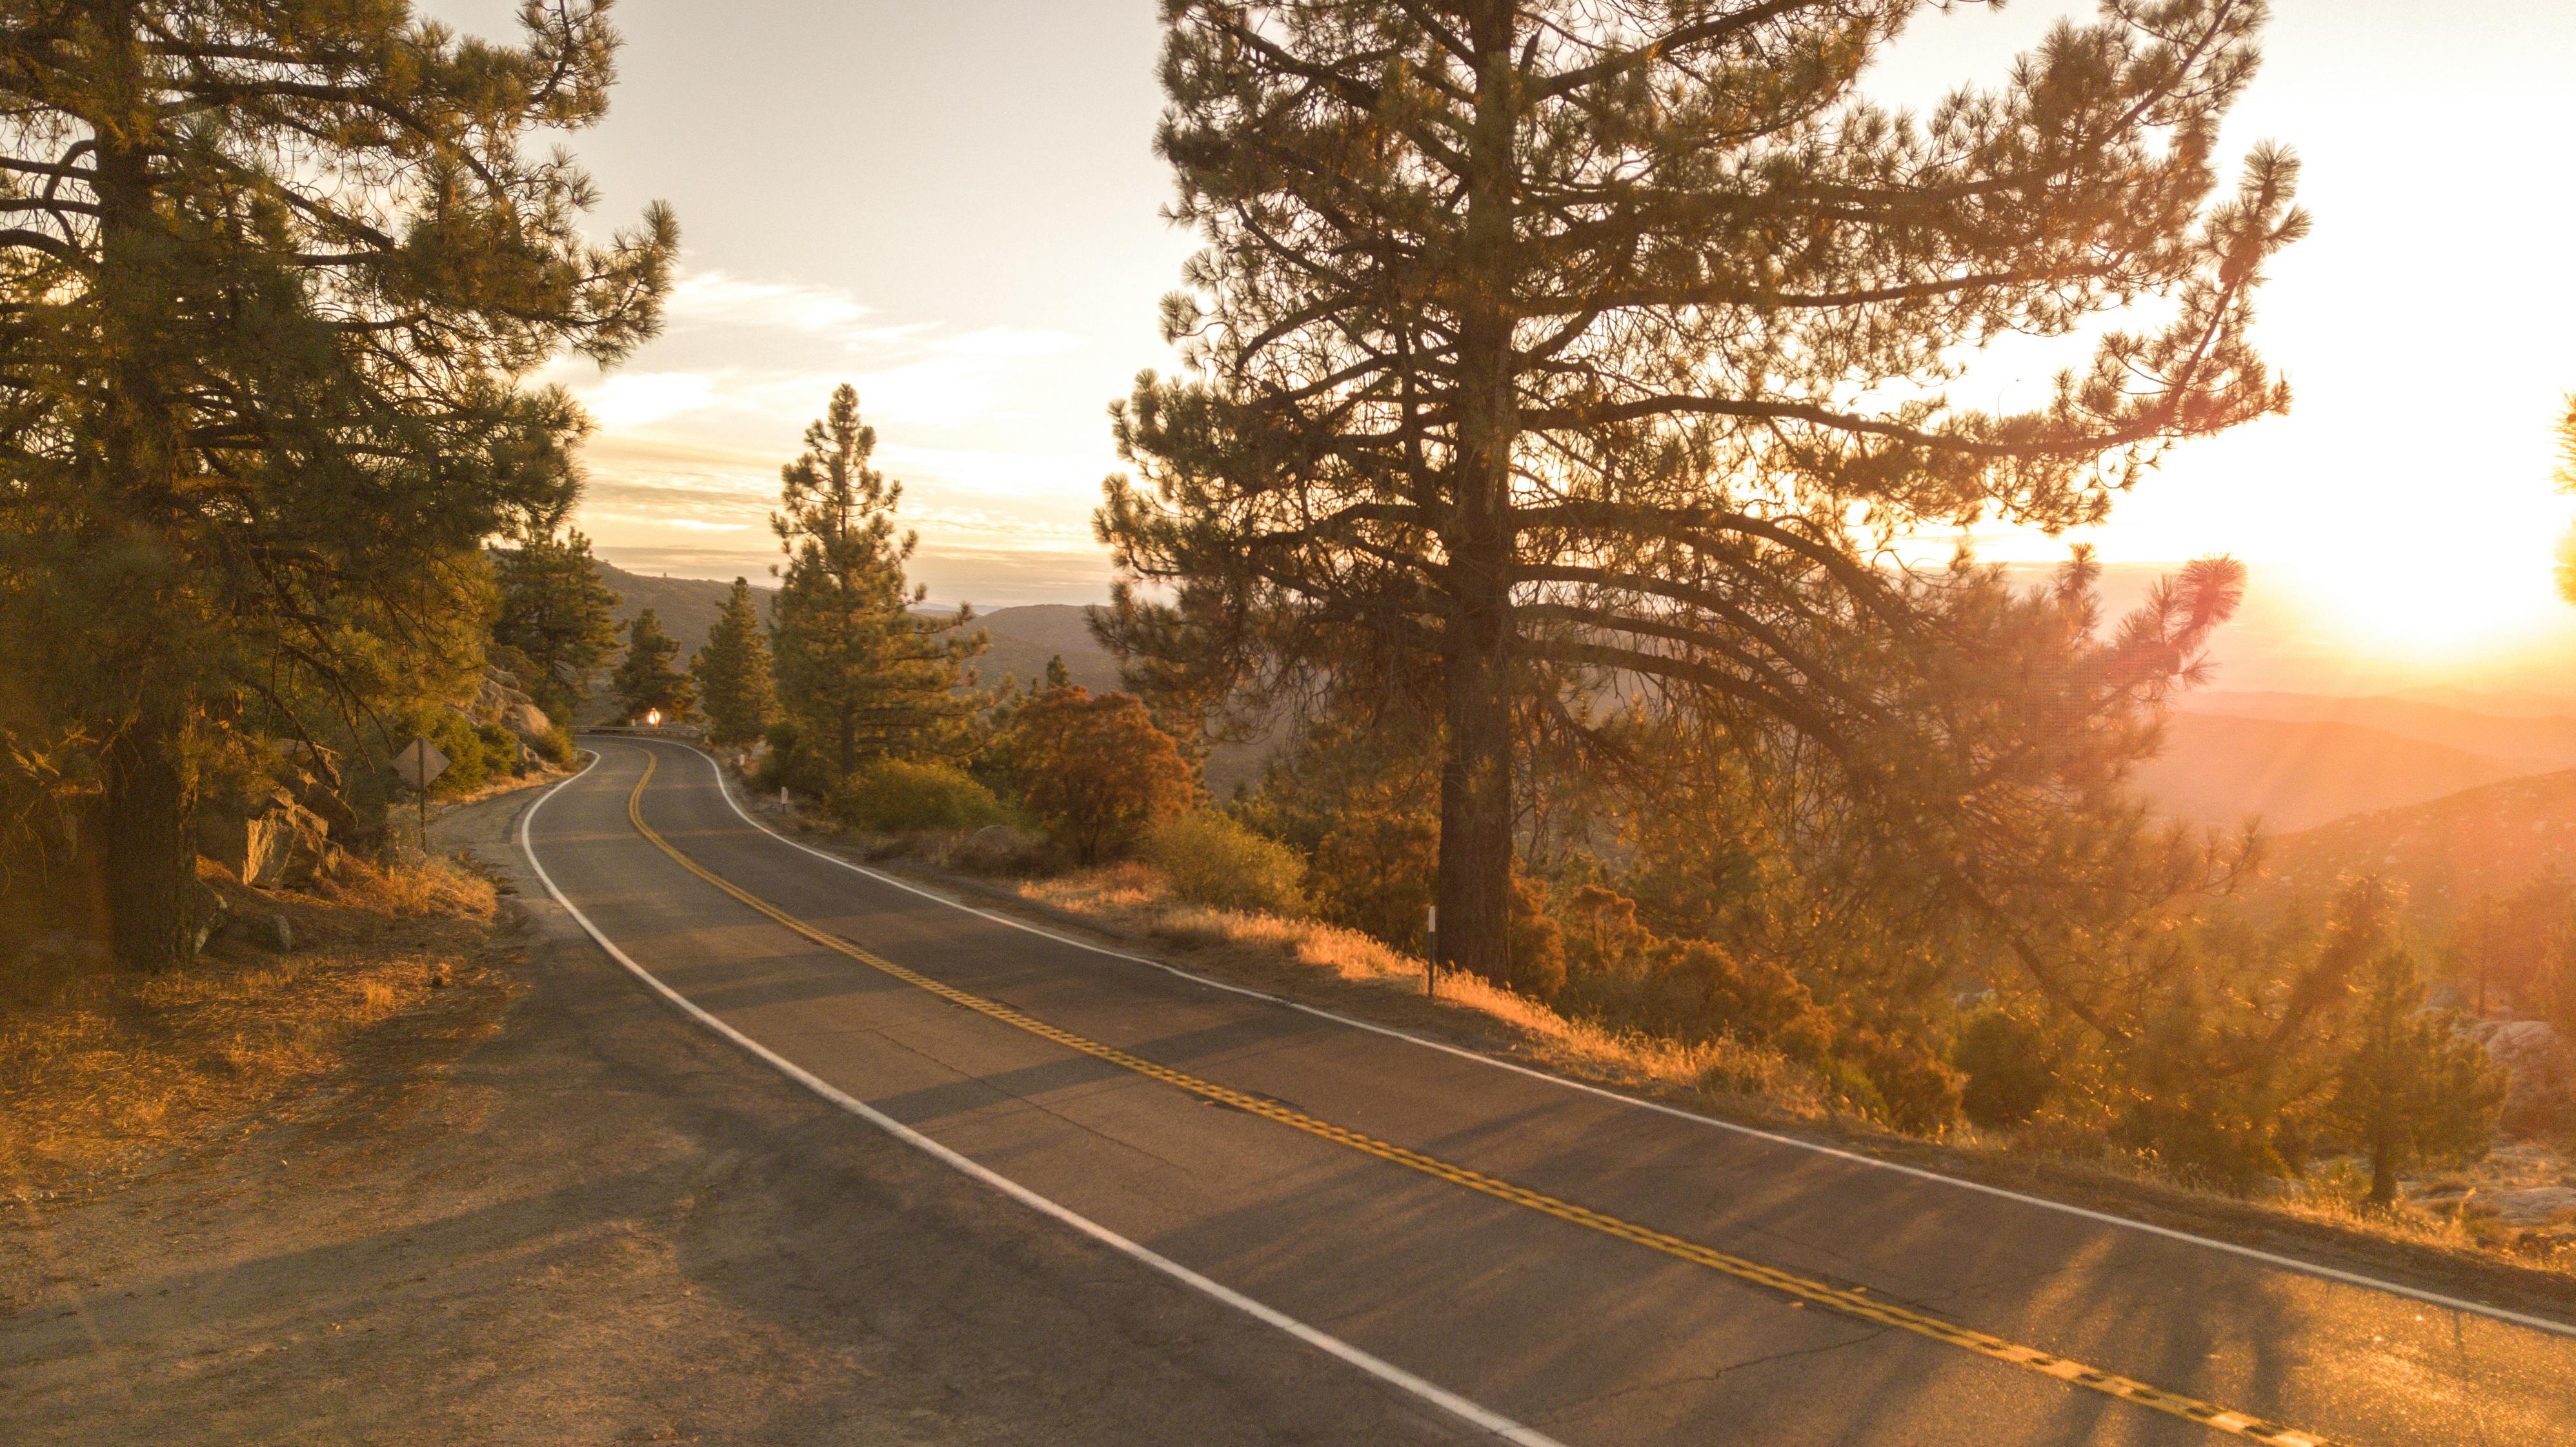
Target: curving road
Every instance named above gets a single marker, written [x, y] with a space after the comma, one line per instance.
[1511, 1257]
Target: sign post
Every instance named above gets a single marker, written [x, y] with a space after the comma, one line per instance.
[1430, 951]
[420, 763]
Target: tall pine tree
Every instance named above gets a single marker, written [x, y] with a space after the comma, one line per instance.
[1551, 346]
[647, 680]
[557, 618]
[735, 687]
[859, 667]
[273, 275]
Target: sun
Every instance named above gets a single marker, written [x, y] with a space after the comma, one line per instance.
[2433, 603]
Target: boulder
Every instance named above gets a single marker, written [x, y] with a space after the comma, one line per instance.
[2540, 1074]
[339, 820]
[496, 696]
[206, 914]
[268, 841]
[271, 931]
[996, 849]
[529, 722]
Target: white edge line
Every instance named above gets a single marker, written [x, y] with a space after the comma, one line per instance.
[1457, 1406]
[2251, 1253]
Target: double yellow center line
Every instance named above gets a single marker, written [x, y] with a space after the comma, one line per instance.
[1847, 1302]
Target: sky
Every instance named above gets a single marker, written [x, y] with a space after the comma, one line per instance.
[955, 207]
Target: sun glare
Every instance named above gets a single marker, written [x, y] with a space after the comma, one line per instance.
[2445, 605]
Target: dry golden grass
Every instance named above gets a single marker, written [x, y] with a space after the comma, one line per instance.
[101, 1068]
[1131, 899]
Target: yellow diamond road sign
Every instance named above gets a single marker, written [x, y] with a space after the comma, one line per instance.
[420, 764]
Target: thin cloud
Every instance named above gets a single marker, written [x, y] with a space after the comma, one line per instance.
[638, 399]
[715, 298]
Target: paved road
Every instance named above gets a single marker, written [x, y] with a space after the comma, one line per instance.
[1527, 1259]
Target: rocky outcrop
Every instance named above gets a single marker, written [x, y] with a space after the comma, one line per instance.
[529, 722]
[2540, 1074]
[268, 840]
[498, 699]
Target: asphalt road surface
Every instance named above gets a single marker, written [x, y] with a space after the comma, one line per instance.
[1511, 1257]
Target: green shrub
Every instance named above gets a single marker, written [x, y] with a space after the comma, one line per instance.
[500, 748]
[793, 763]
[556, 748]
[1212, 860]
[2010, 1068]
[1918, 1092]
[1536, 942]
[469, 757]
[899, 796]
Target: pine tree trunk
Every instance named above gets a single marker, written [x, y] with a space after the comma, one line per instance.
[1476, 774]
[151, 862]
[2383, 1173]
[1476, 810]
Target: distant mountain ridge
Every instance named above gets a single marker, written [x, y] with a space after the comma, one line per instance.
[2536, 742]
[2296, 760]
[2294, 774]
[1022, 639]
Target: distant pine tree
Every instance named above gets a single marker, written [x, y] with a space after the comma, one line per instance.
[733, 673]
[2411, 1088]
[647, 680]
[556, 616]
[863, 673]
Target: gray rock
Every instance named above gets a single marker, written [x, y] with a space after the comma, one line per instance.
[2540, 1074]
[206, 913]
[528, 721]
[996, 848]
[339, 819]
[2536, 1206]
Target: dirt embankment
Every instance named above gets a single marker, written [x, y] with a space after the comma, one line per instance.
[538, 1206]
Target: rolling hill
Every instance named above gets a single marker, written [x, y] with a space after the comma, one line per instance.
[2539, 742]
[1022, 639]
[2218, 769]
[2446, 851]
[688, 606]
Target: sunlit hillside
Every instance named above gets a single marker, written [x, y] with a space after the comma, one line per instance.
[2482, 841]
